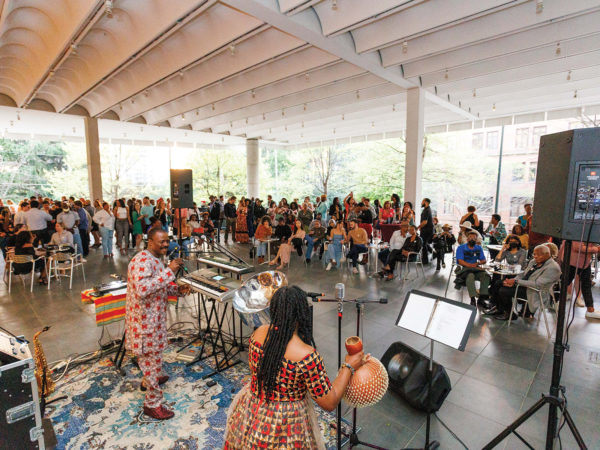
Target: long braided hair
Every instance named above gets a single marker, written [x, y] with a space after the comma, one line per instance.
[289, 311]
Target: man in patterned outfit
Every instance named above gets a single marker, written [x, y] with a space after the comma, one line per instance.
[149, 283]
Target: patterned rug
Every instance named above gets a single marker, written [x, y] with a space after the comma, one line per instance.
[103, 408]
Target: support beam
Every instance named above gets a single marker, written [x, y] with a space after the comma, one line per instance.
[252, 166]
[415, 128]
[92, 147]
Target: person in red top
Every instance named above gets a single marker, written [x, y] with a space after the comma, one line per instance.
[149, 283]
[535, 239]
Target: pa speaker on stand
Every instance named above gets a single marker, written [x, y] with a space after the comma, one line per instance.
[182, 195]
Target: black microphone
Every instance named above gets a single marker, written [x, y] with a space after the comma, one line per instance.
[383, 300]
[314, 295]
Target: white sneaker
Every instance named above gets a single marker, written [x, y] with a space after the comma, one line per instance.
[354, 270]
[593, 315]
[580, 302]
[328, 266]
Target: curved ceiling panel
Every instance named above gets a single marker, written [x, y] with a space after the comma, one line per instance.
[198, 38]
[112, 41]
[46, 28]
[350, 13]
[259, 48]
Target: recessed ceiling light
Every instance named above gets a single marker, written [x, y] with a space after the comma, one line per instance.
[232, 49]
[558, 48]
[253, 93]
[405, 47]
[539, 6]
[446, 74]
[575, 94]
[334, 5]
[474, 93]
[494, 107]
[569, 76]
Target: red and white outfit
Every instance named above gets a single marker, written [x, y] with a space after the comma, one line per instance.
[149, 283]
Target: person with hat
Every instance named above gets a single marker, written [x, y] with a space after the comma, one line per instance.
[442, 244]
[470, 259]
[70, 222]
[465, 228]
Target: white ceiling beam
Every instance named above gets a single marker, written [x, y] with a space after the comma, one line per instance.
[549, 35]
[521, 17]
[212, 100]
[299, 95]
[306, 26]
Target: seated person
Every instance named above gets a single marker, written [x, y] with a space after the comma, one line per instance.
[511, 253]
[365, 218]
[541, 273]
[469, 258]
[194, 223]
[282, 232]
[285, 248]
[359, 241]
[466, 228]
[262, 233]
[496, 230]
[315, 238]
[523, 237]
[8, 238]
[207, 227]
[396, 243]
[443, 243]
[336, 237]
[24, 246]
[410, 249]
[62, 236]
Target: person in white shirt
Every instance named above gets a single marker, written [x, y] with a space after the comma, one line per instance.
[37, 221]
[465, 228]
[20, 215]
[396, 243]
[106, 221]
[61, 237]
[70, 222]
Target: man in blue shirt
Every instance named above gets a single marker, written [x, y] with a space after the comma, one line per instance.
[147, 211]
[470, 257]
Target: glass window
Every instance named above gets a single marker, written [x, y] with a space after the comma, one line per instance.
[537, 133]
[477, 141]
[484, 205]
[522, 138]
[532, 171]
[518, 172]
[491, 140]
[516, 205]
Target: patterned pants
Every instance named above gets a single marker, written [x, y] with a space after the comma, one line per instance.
[151, 365]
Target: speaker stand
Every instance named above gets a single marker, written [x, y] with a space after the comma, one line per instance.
[430, 445]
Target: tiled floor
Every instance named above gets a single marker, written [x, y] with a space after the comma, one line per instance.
[502, 372]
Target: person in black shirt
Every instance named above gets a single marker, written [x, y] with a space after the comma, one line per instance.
[230, 213]
[282, 232]
[259, 211]
[426, 228]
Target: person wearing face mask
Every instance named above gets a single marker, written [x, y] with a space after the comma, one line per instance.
[470, 258]
[426, 228]
[512, 253]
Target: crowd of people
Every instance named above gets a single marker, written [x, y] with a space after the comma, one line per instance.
[333, 231]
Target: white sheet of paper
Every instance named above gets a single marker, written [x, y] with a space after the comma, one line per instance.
[448, 324]
[417, 313]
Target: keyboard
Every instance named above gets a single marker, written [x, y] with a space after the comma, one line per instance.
[226, 264]
[209, 283]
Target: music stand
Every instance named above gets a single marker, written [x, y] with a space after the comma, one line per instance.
[438, 319]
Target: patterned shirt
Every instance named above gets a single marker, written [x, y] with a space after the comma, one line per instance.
[149, 283]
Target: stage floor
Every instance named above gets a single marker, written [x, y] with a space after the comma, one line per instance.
[502, 372]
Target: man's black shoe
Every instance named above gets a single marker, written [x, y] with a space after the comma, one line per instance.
[438, 268]
[473, 301]
[490, 311]
[307, 261]
[506, 316]
[484, 303]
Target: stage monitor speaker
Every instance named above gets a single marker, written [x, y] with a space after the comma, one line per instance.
[181, 188]
[407, 371]
[568, 184]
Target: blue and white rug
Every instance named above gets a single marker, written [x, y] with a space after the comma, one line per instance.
[104, 410]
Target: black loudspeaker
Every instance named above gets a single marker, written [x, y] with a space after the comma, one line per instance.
[407, 370]
[181, 188]
[567, 184]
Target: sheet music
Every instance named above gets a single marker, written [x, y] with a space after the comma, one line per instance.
[448, 324]
[417, 313]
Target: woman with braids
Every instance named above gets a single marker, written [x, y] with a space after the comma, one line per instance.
[275, 411]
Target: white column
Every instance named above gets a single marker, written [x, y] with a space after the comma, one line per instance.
[252, 166]
[415, 127]
[92, 146]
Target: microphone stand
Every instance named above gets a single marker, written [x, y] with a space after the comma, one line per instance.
[354, 441]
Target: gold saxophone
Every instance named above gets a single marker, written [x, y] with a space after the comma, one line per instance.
[41, 366]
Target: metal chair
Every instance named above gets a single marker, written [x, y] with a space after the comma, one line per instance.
[63, 265]
[543, 306]
[10, 251]
[452, 267]
[418, 261]
[22, 259]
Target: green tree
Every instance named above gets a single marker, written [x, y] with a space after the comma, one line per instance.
[26, 165]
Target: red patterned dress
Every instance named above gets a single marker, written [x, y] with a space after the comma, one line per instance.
[288, 420]
[149, 283]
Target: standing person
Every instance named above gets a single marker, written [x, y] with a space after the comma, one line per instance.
[37, 221]
[241, 224]
[147, 211]
[214, 209]
[137, 229]
[524, 219]
[122, 225]
[95, 229]
[426, 228]
[275, 409]
[250, 205]
[70, 221]
[580, 263]
[323, 209]
[162, 213]
[472, 218]
[106, 221]
[259, 211]
[84, 226]
[407, 214]
[149, 283]
[230, 218]
[442, 244]
[335, 210]
[305, 216]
